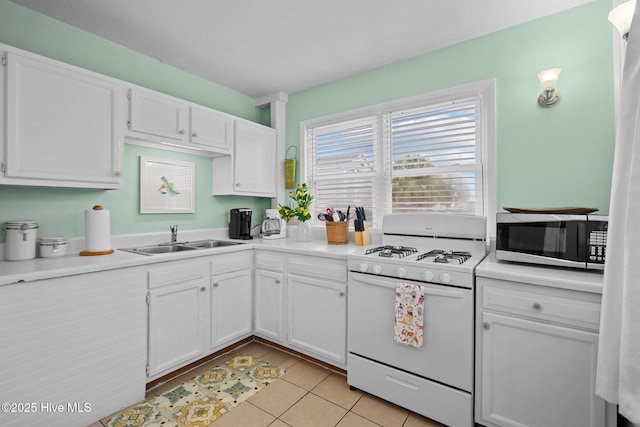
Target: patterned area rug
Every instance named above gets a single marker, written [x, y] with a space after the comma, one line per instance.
[203, 399]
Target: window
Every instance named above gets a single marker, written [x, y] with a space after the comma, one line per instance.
[423, 154]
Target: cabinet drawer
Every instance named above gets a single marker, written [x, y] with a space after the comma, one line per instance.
[551, 308]
[234, 261]
[177, 272]
[269, 261]
[410, 391]
[325, 268]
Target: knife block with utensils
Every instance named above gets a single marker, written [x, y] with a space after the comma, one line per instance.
[363, 238]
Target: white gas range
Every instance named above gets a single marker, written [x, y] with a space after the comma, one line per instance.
[438, 253]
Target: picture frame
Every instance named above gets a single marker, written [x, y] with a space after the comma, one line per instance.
[166, 186]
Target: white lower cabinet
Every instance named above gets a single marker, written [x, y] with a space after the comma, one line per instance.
[202, 305]
[269, 298]
[72, 341]
[178, 314]
[309, 314]
[231, 298]
[317, 317]
[536, 356]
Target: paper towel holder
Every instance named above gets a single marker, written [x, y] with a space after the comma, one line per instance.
[94, 253]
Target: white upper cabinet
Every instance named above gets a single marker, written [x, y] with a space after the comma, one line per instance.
[251, 169]
[60, 125]
[155, 118]
[211, 129]
[151, 113]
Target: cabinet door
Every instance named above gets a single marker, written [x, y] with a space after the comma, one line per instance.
[211, 129]
[176, 325]
[231, 307]
[157, 115]
[60, 126]
[255, 159]
[538, 375]
[317, 317]
[268, 305]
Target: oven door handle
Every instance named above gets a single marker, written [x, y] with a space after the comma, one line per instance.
[428, 289]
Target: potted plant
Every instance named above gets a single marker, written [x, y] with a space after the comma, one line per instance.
[300, 211]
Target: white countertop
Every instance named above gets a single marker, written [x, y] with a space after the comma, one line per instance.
[73, 263]
[556, 277]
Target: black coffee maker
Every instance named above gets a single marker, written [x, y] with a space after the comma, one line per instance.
[240, 223]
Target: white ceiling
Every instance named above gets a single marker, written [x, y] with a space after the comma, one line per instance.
[259, 47]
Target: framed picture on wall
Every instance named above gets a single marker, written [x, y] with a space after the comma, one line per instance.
[166, 186]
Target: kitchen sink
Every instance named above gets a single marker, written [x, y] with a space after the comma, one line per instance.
[165, 248]
[206, 244]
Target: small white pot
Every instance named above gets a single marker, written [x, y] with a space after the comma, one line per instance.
[53, 246]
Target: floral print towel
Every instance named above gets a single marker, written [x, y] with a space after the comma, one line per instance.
[409, 320]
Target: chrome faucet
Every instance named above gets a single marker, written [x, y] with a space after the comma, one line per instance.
[174, 233]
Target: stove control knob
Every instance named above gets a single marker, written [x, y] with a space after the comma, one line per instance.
[363, 267]
[377, 269]
[428, 276]
[402, 272]
[446, 278]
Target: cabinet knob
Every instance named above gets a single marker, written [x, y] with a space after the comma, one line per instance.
[486, 326]
[342, 294]
[215, 285]
[237, 184]
[117, 174]
[181, 131]
[537, 306]
[202, 289]
[277, 281]
[194, 134]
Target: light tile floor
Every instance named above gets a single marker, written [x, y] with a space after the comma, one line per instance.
[307, 395]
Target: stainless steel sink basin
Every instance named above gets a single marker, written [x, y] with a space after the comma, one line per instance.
[206, 244]
[163, 249]
[178, 247]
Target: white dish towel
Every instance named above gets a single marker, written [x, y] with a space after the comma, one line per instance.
[409, 321]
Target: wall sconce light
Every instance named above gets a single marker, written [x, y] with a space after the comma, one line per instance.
[621, 17]
[548, 80]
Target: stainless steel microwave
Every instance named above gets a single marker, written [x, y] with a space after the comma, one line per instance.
[577, 241]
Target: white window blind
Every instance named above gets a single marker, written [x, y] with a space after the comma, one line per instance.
[420, 155]
[342, 161]
[435, 158]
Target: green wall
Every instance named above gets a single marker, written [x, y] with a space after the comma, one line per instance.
[61, 211]
[545, 157]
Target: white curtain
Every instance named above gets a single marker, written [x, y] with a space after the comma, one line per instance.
[618, 375]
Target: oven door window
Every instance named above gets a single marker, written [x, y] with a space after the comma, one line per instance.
[559, 239]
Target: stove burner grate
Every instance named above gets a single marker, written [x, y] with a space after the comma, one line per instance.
[445, 257]
[392, 251]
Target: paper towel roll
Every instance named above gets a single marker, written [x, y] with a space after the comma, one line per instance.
[97, 229]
